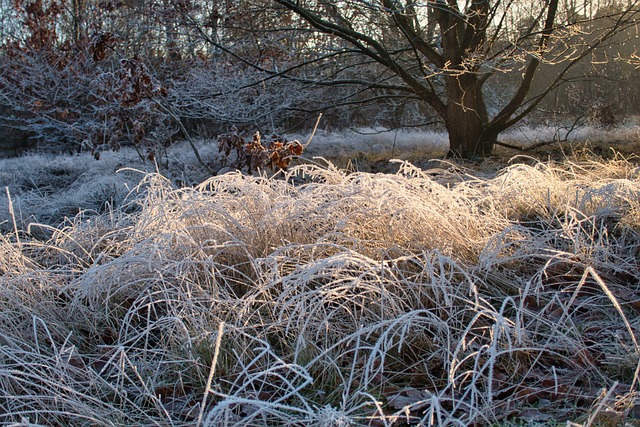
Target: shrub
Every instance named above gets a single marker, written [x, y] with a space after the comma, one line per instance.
[253, 154]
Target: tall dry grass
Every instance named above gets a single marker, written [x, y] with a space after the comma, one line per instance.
[326, 298]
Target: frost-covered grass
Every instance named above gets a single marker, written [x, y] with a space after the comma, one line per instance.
[420, 144]
[48, 188]
[328, 298]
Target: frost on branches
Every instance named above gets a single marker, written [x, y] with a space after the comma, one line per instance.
[74, 93]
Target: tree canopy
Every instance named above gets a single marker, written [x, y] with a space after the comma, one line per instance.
[90, 73]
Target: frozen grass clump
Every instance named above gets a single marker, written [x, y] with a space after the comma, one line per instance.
[548, 190]
[319, 297]
[374, 214]
[52, 188]
[49, 188]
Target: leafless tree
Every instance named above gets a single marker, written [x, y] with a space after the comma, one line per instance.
[444, 52]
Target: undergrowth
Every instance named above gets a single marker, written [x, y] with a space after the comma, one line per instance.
[319, 297]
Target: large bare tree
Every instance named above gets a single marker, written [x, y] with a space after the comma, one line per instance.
[443, 52]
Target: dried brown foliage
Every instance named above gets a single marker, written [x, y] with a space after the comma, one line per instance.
[132, 110]
[604, 115]
[39, 18]
[73, 94]
[253, 154]
[99, 44]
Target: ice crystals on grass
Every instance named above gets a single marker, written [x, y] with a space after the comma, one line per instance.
[328, 416]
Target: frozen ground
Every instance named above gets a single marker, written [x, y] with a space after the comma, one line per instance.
[46, 188]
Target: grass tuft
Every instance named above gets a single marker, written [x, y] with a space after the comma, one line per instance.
[321, 297]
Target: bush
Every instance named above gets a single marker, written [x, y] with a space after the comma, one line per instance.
[604, 115]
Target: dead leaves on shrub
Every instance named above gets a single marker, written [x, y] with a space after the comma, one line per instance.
[135, 83]
[254, 155]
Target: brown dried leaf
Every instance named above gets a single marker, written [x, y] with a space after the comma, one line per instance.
[532, 414]
[409, 397]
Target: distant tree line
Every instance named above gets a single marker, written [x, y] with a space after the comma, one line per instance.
[95, 74]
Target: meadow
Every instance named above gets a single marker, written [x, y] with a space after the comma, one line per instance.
[331, 294]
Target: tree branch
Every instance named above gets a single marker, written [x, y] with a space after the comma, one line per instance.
[499, 122]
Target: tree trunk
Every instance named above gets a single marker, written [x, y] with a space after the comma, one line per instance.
[466, 118]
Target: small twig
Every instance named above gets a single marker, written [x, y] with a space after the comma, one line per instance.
[315, 128]
[518, 148]
[13, 218]
[393, 148]
[174, 116]
[604, 400]
[207, 390]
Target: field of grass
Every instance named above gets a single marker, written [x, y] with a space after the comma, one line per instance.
[457, 295]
